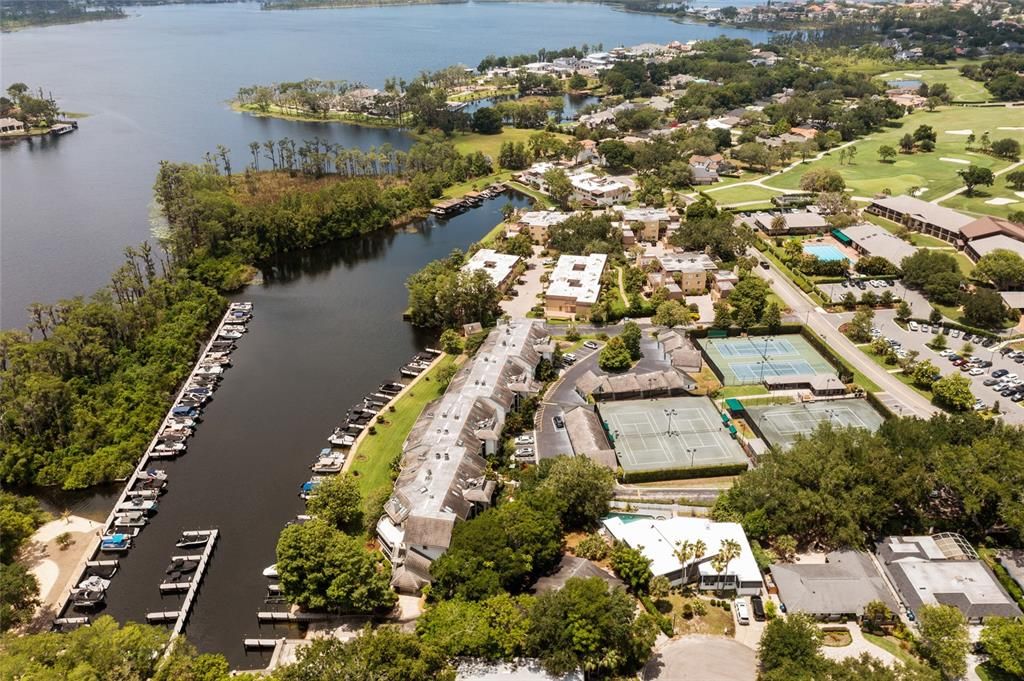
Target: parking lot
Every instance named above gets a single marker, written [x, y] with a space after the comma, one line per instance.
[917, 340]
[918, 303]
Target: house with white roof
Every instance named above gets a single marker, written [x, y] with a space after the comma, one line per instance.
[574, 286]
[591, 190]
[660, 540]
[498, 266]
[537, 224]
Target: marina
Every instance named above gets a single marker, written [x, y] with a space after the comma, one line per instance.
[191, 586]
[138, 503]
[471, 199]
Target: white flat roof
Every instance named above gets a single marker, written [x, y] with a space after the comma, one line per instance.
[578, 276]
[543, 218]
[588, 182]
[986, 245]
[497, 265]
[659, 540]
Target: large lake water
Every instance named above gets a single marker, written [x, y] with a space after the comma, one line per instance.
[328, 322]
[156, 85]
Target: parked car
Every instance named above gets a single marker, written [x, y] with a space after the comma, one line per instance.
[524, 440]
[914, 326]
[592, 345]
[559, 422]
[742, 614]
[999, 373]
[955, 333]
[976, 371]
[959, 362]
[758, 607]
[988, 342]
[764, 265]
[946, 353]
[988, 382]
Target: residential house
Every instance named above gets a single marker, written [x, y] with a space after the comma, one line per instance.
[722, 284]
[11, 126]
[592, 190]
[538, 223]
[837, 590]
[944, 569]
[646, 223]
[689, 269]
[660, 540]
[442, 478]
[574, 286]
[500, 267]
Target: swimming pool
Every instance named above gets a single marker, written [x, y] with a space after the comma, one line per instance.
[824, 252]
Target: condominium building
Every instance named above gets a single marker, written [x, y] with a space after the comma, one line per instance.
[574, 286]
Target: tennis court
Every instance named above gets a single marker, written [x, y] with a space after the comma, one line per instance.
[740, 361]
[671, 433]
[781, 425]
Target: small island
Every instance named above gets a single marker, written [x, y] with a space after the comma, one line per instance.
[23, 114]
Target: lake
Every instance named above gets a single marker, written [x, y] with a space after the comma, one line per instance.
[155, 87]
[327, 325]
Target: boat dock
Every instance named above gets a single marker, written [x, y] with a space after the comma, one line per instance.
[284, 616]
[145, 485]
[191, 588]
[450, 207]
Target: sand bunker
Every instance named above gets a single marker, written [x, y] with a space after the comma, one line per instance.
[959, 132]
[955, 160]
[1000, 202]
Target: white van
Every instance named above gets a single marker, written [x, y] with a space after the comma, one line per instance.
[914, 326]
[742, 612]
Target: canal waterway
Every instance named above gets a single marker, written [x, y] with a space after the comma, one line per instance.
[155, 87]
[327, 329]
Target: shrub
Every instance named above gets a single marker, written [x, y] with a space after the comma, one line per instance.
[593, 547]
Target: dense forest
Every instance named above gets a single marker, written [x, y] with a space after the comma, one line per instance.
[846, 487]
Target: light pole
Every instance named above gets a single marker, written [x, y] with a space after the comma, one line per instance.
[669, 413]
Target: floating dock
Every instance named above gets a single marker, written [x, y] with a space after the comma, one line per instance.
[231, 318]
[191, 588]
[279, 616]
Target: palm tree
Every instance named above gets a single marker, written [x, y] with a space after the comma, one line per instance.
[689, 554]
[727, 552]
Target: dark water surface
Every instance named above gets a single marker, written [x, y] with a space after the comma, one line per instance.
[327, 330]
[155, 86]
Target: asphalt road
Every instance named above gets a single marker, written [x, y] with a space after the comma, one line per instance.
[895, 394]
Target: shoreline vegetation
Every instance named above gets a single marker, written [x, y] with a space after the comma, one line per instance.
[22, 14]
[344, 117]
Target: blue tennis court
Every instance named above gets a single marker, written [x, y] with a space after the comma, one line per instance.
[754, 372]
[751, 359]
[824, 252]
[755, 347]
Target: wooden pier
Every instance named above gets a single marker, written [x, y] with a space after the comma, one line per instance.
[192, 587]
[144, 462]
[279, 616]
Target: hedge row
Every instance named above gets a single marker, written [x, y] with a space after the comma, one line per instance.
[684, 473]
[845, 374]
[878, 405]
[664, 623]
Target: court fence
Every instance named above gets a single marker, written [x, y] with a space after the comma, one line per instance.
[683, 473]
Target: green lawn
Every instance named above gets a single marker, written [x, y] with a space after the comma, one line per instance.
[371, 465]
[893, 647]
[468, 142]
[868, 176]
[740, 194]
[741, 391]
[979, 203]
[962, 89]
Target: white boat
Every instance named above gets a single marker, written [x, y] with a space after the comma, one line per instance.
[271, 572]
[233, 328]
[153, 474]
[332, 463]
[146, 505]
[129, 519]
[181, 422]
[170, 446]
[339, 439]
[210, 371]
[144, 493]
[243, 305]
[229, 335]
[94, 583]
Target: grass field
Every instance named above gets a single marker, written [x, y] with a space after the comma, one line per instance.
[978, 204]
[372, 463]
[468, 142]
[742, 194]
[868, 176]
[960, 88]
[892, 646]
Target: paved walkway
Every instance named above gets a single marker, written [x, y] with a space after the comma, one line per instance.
[857, 647]
[961, 190]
